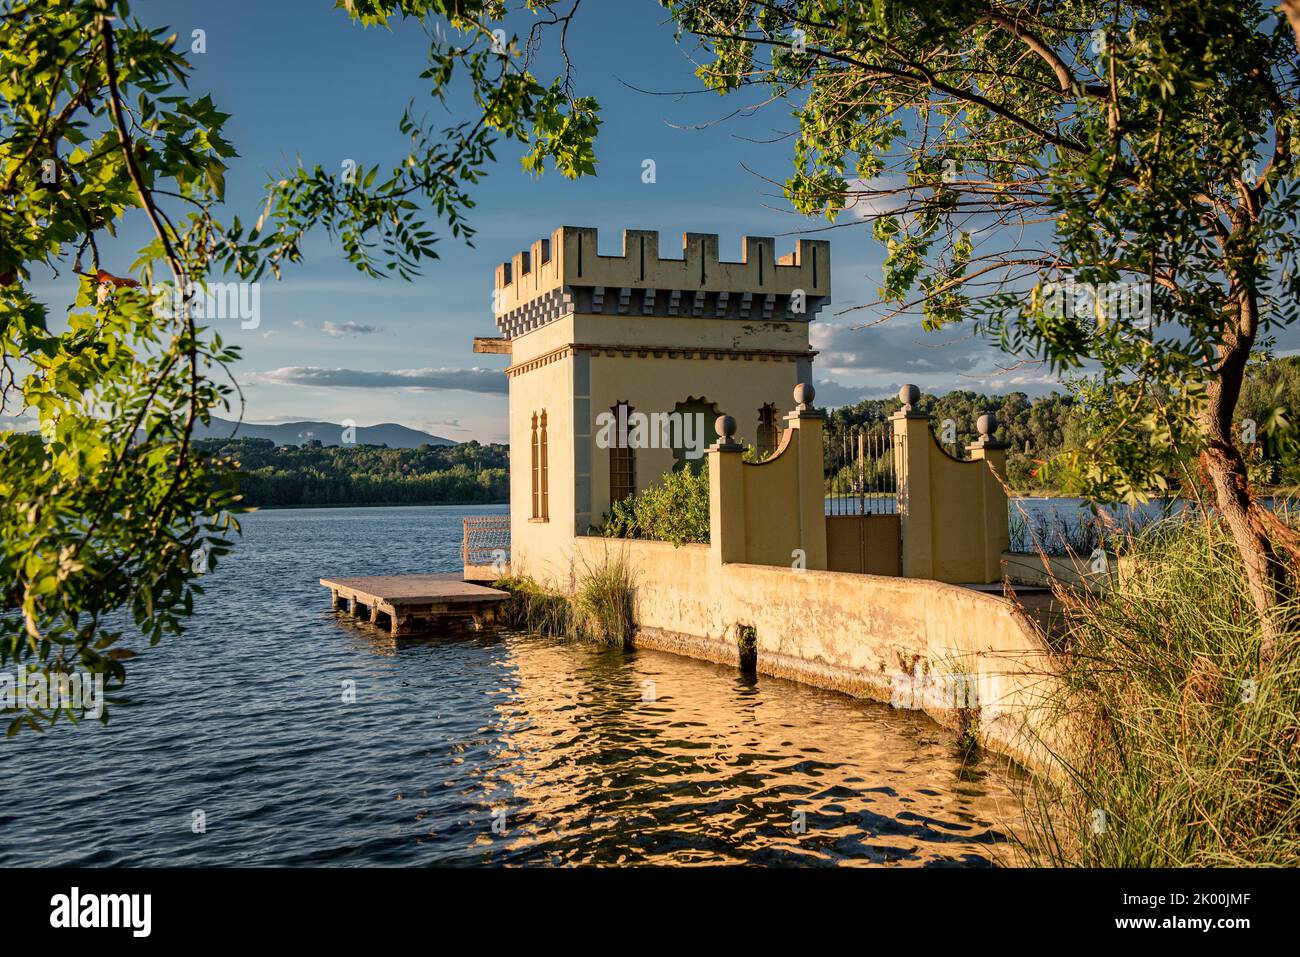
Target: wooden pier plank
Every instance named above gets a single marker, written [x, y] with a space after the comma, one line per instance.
[409, 601]
[414, 589]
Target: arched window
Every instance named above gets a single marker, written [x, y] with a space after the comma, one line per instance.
[541, 504]
[622, 457]
[769, 430]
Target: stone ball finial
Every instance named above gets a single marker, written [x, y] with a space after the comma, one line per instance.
[909, 395]
[725, 426]
[987, 424]
[804, 393]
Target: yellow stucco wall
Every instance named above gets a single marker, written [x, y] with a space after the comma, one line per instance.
[771, 512]
[953, 511]
[956, 504]
[548, 387]
[541, 341]
[771, 506]
[737, 387]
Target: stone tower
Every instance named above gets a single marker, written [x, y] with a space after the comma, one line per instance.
[617, 361]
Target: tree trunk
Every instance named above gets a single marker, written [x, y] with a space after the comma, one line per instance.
[1266, 574]
[1249, 523]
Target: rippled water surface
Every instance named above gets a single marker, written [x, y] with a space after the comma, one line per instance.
[471, 750]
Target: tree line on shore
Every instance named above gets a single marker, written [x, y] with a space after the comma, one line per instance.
[1039, 430]
[269, 476]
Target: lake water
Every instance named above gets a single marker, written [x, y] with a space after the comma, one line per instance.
[505, 749]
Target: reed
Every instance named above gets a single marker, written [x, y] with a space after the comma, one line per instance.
[1184, 749]
[604, 606]
[1074, 531]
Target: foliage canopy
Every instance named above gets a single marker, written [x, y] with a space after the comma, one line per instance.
[109, 515]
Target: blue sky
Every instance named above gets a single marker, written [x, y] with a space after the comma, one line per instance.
[301, 80]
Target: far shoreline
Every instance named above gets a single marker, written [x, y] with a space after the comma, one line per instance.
[291, 508]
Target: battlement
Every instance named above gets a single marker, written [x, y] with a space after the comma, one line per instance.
[566, 273]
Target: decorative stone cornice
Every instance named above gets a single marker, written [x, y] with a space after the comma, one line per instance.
[664, 303]
[536, 313]
[661, 352]
[545, 359]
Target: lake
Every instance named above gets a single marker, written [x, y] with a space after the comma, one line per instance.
[476, 750]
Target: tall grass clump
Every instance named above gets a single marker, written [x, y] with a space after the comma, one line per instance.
[1181, 749]
[605, 603]
[602, 608]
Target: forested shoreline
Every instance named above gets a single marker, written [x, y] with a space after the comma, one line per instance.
[286, 476]
[1038, 430]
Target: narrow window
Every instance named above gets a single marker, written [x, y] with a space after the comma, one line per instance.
[541, 441]
[536, 470]
[769, 430]
[622, 457]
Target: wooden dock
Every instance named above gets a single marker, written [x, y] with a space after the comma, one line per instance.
[407, 604]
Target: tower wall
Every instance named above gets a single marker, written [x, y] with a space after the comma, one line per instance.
[586, 331]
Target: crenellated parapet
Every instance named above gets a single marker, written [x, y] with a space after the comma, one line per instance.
[565, 273]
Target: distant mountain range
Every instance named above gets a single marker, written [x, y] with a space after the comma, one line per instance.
[328, 433]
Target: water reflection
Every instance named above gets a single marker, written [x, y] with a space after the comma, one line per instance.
[608, 757]
[244, 719]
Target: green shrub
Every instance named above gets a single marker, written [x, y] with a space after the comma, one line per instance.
[1022, 471]
[533, 608]
[676, 510]
[1186, 751]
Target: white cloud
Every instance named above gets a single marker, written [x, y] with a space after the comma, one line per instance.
[349, 328]
[869, 198]
[489, 381]
[897, 347]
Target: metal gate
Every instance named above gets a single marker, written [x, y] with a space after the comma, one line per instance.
[860, 471]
